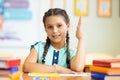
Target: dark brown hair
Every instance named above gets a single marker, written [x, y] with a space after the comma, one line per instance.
[52, 12]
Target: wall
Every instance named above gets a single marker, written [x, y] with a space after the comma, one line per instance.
[101, 33]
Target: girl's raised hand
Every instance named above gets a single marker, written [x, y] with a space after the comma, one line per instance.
[79, 30]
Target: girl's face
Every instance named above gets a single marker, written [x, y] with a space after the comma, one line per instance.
[56, 28]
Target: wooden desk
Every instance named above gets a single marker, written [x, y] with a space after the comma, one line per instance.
[24, 76]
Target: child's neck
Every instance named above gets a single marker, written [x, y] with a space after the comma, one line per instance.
[58, 45]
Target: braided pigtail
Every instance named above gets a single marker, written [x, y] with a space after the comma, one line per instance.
[45, 49]
[67, 51]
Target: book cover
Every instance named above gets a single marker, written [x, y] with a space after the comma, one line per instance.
[8, 70]
[102, 76]
[9, 62]
[110, 63]
[105, 70]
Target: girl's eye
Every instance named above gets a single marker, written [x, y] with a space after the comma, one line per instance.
[59, 25]
[49, 27]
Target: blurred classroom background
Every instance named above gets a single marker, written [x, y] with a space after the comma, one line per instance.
[21, 25]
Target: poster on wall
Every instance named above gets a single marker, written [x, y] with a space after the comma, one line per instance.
[81, 7]
[104, 8]
[17, 27]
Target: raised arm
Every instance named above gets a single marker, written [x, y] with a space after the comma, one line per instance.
[78, 61]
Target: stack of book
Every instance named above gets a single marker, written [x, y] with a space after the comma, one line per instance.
[108, 69]
[9, 69]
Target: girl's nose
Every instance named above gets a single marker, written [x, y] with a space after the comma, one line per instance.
[55, 29]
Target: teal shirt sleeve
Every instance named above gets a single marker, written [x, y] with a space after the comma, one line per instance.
[39, 47]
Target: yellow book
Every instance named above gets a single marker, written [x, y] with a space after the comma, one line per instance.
[15, 76]
[105, 70]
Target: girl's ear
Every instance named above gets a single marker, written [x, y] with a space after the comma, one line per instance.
[68, 26]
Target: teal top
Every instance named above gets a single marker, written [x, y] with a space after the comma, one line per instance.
[39, 46]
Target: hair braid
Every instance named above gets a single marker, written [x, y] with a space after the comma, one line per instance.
[67, 51]
[45, 49]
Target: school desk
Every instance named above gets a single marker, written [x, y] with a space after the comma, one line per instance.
[24, 76]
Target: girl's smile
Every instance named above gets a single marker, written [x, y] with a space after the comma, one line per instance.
[56, 36]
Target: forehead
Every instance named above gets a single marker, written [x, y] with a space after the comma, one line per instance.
[55, 18]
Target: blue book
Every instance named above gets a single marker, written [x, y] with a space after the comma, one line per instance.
[101, 76]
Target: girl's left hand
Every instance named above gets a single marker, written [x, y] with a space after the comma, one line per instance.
[79, 34]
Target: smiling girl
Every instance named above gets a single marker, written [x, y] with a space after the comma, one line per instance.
[55, 55]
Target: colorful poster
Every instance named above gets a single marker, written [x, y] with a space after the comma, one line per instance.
[18, 27]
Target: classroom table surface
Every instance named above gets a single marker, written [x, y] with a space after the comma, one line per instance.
[24, 76]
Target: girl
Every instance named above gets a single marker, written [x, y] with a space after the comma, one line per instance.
[54, 55]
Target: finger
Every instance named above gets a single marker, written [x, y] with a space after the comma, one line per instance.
[79, 22]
